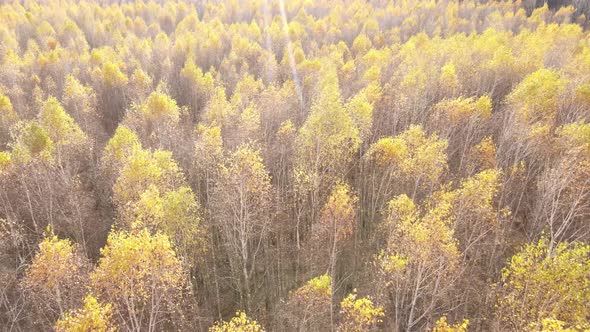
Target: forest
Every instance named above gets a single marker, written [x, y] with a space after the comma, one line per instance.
[294, 165]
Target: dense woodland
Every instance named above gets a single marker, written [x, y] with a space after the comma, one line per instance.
[403, 165]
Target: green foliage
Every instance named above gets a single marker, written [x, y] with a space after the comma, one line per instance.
[59, 125]
[120, 147]
[32, 140]
[7, 113]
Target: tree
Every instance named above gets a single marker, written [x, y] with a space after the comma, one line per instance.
[529, 294]
[360, 108]
[325, 145]
[110, 84]
[534, 103]
[80, 100]
[241, 201]
[5, 159]
[442, 326]
[142, 169]
[359, 315]
[239, 323]
[420, 261]
[117, 152]
[197, 88]
[564, 187]
[7, 118]
[55, 280]
[93, 316]
[308, 307]
[219, 112]
[461, 121]
[141, 276]
[337, 221]
[61, 128]
[31, 140]
[156, 120]
[329, 138]
[536, 98]
[209, 153]
[405, 163]
[174, 213]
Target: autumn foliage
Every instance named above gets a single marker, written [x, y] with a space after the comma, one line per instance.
[271, 165]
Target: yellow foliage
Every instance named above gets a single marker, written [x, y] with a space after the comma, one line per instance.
[239, 323]
[529, 293]
[361, 111]
[574, 136]
[442, 326]
[286, 131]
[143, 169]
[316, 288]
[462, 109]
[55, 265]
[419, 237]
[448, 77]
[7, 113]
[329, 137]
[219, 110]
[412, 154]
[113, 76]
[121, 146]
[59, 125]
[339, 211]
[94, 317]
[160, 108]
[359, 315]
[78, 96]
[32, 140]
[484, 153]
[5, 159]
[135, 268]
[476, 194]
[173, 213]
[536, 98]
